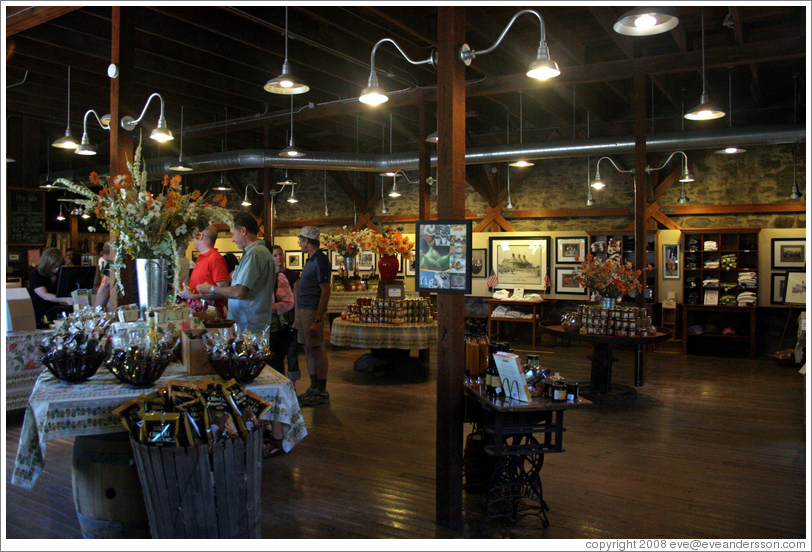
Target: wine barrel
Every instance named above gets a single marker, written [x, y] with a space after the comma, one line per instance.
[106, 490]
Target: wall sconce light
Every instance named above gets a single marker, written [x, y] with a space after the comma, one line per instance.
[705, 111]
[161, 133]
[247, 202]
[542, 68]
[686, 176]
[645, 22]
[509, 205]
[291, 150]
[598, 183]
[374, 94]
[179, 166]
[292, 198]
[286, 83]
[60, 217]
[85, 148]
[67, 141]
[433, 138]
[796, 192]
[395, 192]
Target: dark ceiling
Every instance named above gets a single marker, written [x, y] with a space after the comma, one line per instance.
[213, 62]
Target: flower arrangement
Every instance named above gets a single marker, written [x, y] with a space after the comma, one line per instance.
[390, 241]
[609, 278]
[345, 242]
[148, 226]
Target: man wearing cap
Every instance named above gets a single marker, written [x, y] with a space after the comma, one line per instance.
[311, 308]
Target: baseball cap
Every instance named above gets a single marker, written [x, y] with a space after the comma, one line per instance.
[310, 232]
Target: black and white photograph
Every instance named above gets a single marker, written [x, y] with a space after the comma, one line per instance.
[336, 260]
[408, 266]
[294, 260]
[570, 250]
[565, 281]
[778, 286]
[795, 289]
[788, 253]
[520, 261]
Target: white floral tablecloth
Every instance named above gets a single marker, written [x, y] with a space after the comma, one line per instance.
[383, 336]
[22, 366]
[57, 409]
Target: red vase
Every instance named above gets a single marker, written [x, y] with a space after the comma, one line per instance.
[388, 266]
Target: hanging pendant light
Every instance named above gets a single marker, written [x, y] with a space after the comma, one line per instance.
[796, 192]
[48, 183]
[509, 205]
[682, 197]
[286, 83]
[291, 150]
[384, 210]
[520, 162]
[67, 141]
[180, 166]
[645, 22]
[292, 198]
[326, 209]
[60, 217]
[433, 138]
[732, 149]
[705, 111]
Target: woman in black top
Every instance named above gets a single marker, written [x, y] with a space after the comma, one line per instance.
[42, 285]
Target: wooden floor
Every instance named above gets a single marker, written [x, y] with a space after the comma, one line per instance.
[712, 448]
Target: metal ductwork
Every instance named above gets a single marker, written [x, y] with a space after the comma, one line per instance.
[691, 140]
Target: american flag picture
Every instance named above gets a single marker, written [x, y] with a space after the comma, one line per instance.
[492, 279]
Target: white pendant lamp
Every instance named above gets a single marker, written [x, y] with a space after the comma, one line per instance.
[286, 83]
[645, 22]
[730, 150]
[705, 111]
[180, 166]
[67, 141]
[291, 150]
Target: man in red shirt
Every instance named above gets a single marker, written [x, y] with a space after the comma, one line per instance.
[209, 267]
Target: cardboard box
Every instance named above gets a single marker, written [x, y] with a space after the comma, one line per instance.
[19, 311]
[193, 353]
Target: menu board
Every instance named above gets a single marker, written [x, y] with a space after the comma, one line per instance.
[443, 256]
[25, 218]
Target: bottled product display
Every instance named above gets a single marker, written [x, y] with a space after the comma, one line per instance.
[617, 322]
[416, 310]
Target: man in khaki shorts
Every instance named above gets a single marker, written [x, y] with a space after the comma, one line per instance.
[311, 307]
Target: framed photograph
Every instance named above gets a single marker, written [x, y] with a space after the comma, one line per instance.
[520, 262]
[565, 281]
[671, 266]
[443, 256]
[294, 260]
[408, 266]
[788, 253]
[711, 297]
[479, 263]
[336, 260]
[570, 250]
[778, 287]
[195, 255]
[795, 289]
[14, 257]
[365, 260]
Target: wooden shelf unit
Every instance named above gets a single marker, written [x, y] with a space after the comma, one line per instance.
[743, 319]
[627, 253]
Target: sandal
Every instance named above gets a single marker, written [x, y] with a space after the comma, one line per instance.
[271, 447]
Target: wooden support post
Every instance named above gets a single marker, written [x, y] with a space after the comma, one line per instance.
[450, 308]
[640, 180]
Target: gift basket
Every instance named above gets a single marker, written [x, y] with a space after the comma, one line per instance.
[139, 358]
[76, 350]
[238, 355]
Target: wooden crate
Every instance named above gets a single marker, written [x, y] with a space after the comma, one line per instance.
[194, 492]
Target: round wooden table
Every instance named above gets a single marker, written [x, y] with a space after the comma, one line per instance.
[600, 387]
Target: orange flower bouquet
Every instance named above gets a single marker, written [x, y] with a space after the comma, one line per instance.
[390, 241]
[345, 242]
[608, 278]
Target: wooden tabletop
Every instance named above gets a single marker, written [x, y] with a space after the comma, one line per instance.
[558, 330]
[537, 404]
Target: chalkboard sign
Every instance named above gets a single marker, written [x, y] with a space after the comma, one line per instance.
[26, 216]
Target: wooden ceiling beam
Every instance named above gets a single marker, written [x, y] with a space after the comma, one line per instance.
[22, 18]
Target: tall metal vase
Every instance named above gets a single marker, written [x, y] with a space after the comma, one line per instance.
[153, 282]
[349, 265]
[608, 302]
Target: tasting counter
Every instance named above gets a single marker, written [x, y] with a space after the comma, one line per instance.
[387, 342]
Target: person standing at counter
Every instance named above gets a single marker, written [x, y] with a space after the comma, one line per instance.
[311, 306]
[250, 294]
[42, 286]
[210, 267]
[292, 277]
[103, 293]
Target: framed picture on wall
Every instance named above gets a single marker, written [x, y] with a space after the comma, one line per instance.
[443, 256]
[479, 263]
[778, 287]
[565, 281]
[570, 250]
[365, 260]
[294, 260]
[336, 260]
[520, 261]
[711, 297]
[795, 289]
[195, 255]
[788, 253]
[671, 264]
[408, 266]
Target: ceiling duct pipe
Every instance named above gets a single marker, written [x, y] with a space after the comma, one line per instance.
[259, 158]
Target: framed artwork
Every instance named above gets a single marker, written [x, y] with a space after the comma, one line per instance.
[365, 260]
[408, 266]
[778, 288]
[711, 297]
[294, 260]
[795, 289]
[195, 255]
[570, 250]
[520, 261]
[671, 266]
[336, 260]
[788, 253]
[443, 256]
[479, 263]
[565, 281]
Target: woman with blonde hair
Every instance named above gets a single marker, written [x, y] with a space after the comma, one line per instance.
[42, 286]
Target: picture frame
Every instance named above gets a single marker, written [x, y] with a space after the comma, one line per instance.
[533, 254]
[195, 255]
[293, 260]
[788, 253]
[443, 256]
[671, 261]
[336, 260]
[795, 289]
[408, 266]
[14, 257]
[365, 260]
[565, 282]
[479, 263]
[570, 250]
[711, 297]
[778, 288]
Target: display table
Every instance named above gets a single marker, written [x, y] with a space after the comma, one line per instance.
[387, 342]
[600, 387]
[504, 453]
[536, 306]
[340, 300]
[23, 366]
[57, 409]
